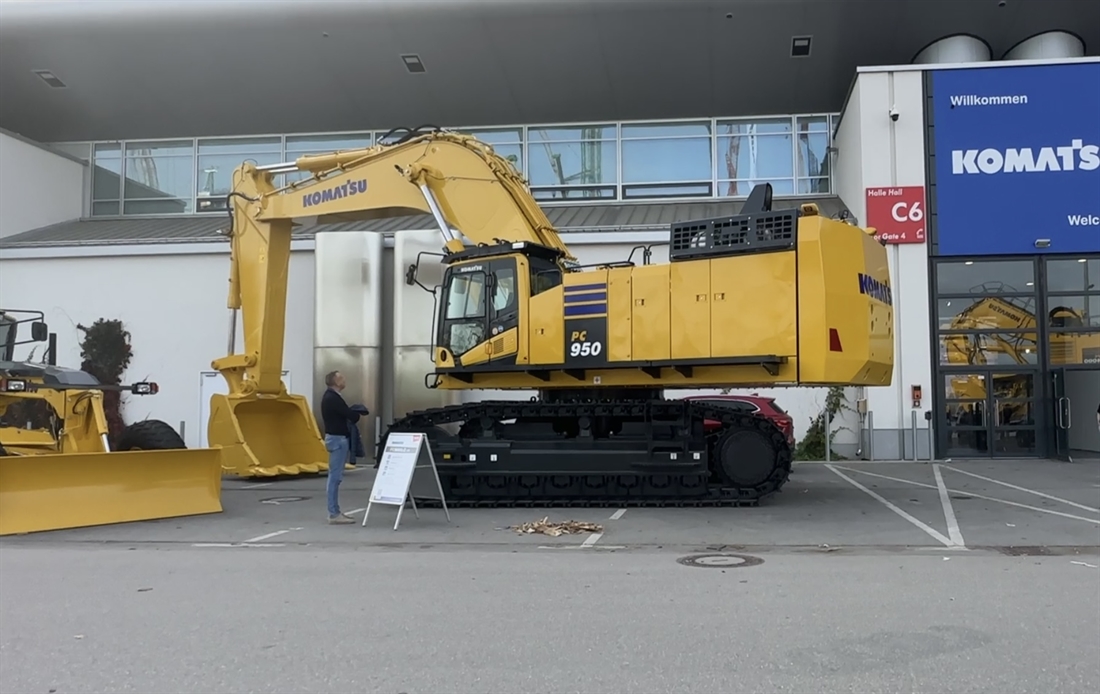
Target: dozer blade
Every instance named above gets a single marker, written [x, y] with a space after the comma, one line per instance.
[266, 436]
[77, 490]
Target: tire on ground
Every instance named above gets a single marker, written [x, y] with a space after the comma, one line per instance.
[149, 435]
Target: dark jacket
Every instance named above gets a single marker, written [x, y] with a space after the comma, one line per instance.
[335, 413]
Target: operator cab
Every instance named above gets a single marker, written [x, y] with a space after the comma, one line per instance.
[466, 318]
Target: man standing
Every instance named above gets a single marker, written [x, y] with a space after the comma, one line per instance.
[337, 416]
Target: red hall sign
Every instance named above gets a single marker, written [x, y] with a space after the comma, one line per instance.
[897, 213]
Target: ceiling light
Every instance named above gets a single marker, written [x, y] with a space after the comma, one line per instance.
[1031, 284]
[50, 79]
[969, 262]
[1081, 260]
[413, 63]
[800, 46]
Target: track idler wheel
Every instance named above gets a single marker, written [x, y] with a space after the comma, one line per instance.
[744, 457]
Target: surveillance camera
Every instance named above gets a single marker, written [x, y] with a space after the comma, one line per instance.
[894, 114]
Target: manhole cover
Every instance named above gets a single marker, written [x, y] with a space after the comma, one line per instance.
[276, 500]
[720, 561]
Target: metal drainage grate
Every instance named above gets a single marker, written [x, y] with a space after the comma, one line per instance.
[720, 561]
[276, 500]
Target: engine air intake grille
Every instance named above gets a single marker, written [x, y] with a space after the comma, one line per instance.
[750, 233]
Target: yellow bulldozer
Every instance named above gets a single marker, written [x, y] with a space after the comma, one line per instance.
[766, 297]
[57, 466]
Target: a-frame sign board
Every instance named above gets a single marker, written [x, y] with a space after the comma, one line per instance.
[400, 460]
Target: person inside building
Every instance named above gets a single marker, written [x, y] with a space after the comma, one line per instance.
[337, 417]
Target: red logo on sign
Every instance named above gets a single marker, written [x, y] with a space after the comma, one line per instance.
[897, 213]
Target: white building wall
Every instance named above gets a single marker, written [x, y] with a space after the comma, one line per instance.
[873, 150]
[173, 305]
[37, 187]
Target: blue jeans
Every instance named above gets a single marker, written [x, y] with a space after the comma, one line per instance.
[337, 447]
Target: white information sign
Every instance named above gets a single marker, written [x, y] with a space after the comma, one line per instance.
[400, 460]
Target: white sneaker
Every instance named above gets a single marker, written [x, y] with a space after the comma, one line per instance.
[340, 520]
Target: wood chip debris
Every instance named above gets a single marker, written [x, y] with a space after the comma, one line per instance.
[554, 529]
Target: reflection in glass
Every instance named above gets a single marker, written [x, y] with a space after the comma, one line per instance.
[966, 414]
[659, 131]
[1013, 385]
[963, 386]
[812, 148]
[571, 156]
[1074, 311]
[219, 158]
[300, 145]
[964, 444]
[754, 152]
[986, 277]
[107, 173]
[1014, 442]
[989, 348]
[158, 177]
[985, 313]
[1014, 413]
[1073, 275]
[1068, 347]
[656, 161]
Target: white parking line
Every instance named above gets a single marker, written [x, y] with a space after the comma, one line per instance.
[934, 533]
[1023, 489]
[976, 496]
[592, 539]
[355, 511]
[948, 512]
[237, 544]
[618, 514]
[257, 486]
[261, 538]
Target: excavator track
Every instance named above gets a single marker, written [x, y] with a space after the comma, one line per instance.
[600, 453]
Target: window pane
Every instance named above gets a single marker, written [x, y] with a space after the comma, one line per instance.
[984, 277]
[966, 414]
[967, 444]
[496, 136]
[813, 155]
[571, 163]
[1014, 442]
[656, 161]
[215, 171]
[1074, 312]
[733, 189]
[466, 296]
[1017, 386]
[737, 405]
[1073, 275]
[560, 194]
[105, 209]
[107, 173]
[573, 134]
[813, 124]
[985, 313]
[746, 157]
[964, 386]
[659, 130]
[990, 348]
[1014, 413]
[813, 186]
[160, 173]
[1074, 348]
[766, 126]
[301, 144]
[241, 146]
[513, 153]
[674, 190]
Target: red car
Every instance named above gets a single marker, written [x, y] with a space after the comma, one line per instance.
[752, 404]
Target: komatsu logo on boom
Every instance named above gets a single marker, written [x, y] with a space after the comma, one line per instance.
[876, 290]
[1077, 155]
[334, 193]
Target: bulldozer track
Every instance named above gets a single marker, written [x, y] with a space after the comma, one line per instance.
[703, 486]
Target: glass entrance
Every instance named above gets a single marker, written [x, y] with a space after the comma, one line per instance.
[1059, 446]
[988, 413]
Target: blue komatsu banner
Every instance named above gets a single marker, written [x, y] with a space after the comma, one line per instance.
[1017, 159]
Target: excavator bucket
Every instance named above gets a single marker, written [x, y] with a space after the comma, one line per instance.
[77, 490]
[266, 436]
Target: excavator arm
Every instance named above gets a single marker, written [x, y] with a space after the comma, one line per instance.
[475, 196]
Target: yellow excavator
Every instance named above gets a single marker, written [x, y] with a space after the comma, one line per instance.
[57, 466]
[763, 298]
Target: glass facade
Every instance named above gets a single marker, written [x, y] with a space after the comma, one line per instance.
[689, 159]
[1005, 329]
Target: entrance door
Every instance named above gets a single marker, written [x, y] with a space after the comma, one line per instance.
[1059, 447]
[989, 413]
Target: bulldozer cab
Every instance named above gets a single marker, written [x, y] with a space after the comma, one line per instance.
[9, 331]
